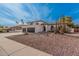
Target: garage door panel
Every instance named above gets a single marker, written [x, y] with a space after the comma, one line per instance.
[30, 29]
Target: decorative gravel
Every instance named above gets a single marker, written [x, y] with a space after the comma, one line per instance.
[54, 44]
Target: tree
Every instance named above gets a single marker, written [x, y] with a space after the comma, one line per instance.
[66, 20]
[64, 23]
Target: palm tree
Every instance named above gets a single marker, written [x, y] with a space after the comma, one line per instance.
[66, 21]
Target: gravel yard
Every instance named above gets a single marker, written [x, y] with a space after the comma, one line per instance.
[54, 44]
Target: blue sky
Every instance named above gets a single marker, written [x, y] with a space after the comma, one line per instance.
[10, 13]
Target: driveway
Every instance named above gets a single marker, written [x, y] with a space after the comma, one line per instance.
[12, 48]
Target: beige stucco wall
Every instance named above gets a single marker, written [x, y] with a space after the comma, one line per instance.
[48, 28]
[72, 30]
[38, 28]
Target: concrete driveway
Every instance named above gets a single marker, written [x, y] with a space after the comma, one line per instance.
[12, 48]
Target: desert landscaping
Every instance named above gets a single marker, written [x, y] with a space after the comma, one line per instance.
[39, 30]
[51, 43]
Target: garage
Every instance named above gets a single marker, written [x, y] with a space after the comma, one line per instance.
[30, 29]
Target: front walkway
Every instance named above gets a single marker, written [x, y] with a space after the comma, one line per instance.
[13, 48]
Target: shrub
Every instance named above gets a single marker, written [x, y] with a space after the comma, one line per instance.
[25, 33]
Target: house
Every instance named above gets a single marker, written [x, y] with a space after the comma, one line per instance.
[34, 27]
[37, 26]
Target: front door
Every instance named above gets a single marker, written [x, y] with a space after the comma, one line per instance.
[44, 28]
[52, 28]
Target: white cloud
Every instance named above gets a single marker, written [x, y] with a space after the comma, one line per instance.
[17, 11]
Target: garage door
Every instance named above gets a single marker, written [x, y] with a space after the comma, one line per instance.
[30, 29]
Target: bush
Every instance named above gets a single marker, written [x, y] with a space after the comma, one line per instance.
[25, 33]
[62, 30]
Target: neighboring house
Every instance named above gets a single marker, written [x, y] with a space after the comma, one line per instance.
[17, 28]
[75, 30]
[4, 29]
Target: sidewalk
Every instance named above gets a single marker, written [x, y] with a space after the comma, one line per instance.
[13, 48]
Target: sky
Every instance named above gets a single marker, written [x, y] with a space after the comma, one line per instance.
[49, 12]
